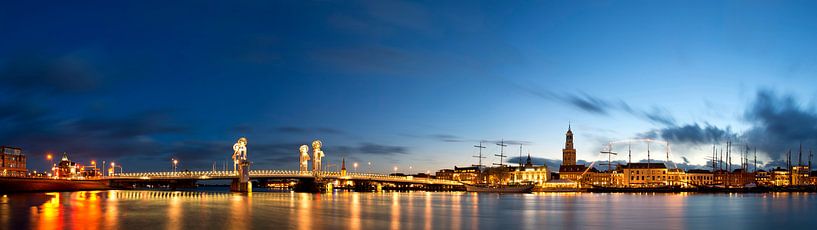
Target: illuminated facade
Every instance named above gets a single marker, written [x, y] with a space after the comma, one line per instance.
[574, 172]
[12, 162]
[698, 177]
[531, 174]
[468, 175]
[762, 177]
[780, 177]
[800, 175]
[740, 178]
[67, 168]
[444, 174]
[645, 174]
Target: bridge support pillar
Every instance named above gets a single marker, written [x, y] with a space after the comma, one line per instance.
[242, 184]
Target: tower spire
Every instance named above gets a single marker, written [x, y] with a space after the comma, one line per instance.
[569, 153]
[528, 162]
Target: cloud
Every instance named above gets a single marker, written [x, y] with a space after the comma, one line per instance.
[510, 142]
[778, 123]
[599, 106]
[447, 138]
[691, 133]
[589, 104]
[32, 74]
[368, 148]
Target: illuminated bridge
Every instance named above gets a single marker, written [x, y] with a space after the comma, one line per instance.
[307, 180]
[277, 174]
[356, 181]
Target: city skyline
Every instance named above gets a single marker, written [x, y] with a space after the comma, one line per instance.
[402, 83]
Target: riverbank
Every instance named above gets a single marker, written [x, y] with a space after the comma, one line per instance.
[16, 185]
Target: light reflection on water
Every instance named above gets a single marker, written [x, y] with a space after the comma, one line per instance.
[409, 210]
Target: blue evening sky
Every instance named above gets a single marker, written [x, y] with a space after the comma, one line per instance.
[396, 83]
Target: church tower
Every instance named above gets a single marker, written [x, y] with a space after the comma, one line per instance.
[569, 153]
[343, 167]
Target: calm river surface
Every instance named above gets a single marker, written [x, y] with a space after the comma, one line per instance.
[146, 210]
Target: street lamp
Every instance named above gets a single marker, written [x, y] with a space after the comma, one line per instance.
[51, 161]
[93, 163]
[355, 165]
[112, 171]
[370, 167]
[395, 169]
[175, 163]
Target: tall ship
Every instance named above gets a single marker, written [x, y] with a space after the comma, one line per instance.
[496, 186]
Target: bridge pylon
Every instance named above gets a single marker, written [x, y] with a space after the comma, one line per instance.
[242, 183]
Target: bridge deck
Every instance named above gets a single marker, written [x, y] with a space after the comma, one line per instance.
[277, 174]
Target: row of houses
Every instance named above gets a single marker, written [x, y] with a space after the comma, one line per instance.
[631, 175]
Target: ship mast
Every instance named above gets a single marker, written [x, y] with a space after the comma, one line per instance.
[480, 147]
[520, 155]
[755, 158]
[629, 153]
[501, 154]
[609, 153]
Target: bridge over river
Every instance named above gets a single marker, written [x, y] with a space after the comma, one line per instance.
[241, 175]
[340, 179]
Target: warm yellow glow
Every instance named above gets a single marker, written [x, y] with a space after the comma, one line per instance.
[49, 157]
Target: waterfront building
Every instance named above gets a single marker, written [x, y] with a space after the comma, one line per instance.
[763, 178]
[574, 172]
[676, 177]
[780, 177]
[645, 174]
[740, 178]
[67, 168]
[12, 162]
[468, 175]
[529, 173]
[558, 185]
[698, 177]
[800, 175]
[444, 174]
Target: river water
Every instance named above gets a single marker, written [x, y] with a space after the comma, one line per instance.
[147, 210]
